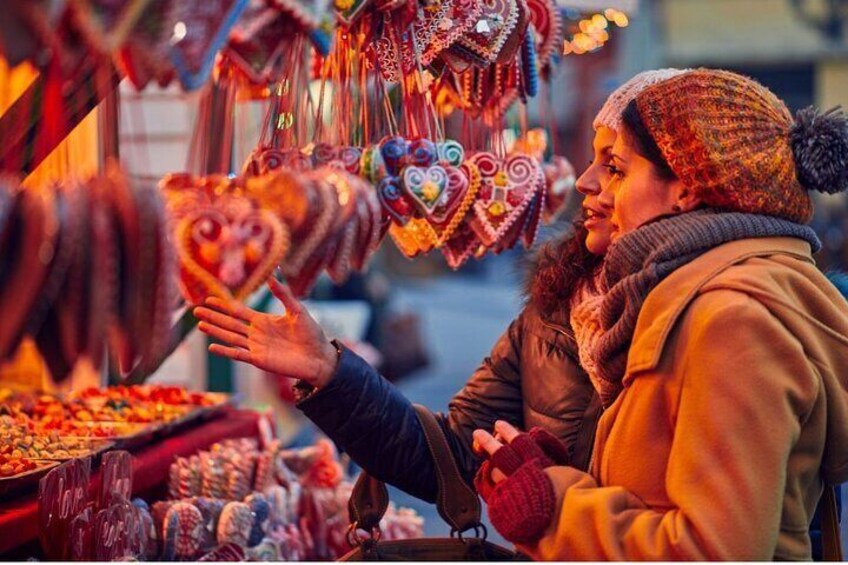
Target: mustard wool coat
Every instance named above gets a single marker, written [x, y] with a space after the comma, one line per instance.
[733, 416]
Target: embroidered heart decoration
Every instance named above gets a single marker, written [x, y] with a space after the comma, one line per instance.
[494, 27]
[394, 201]
[195, 44]
[415, 238]
[460, 247]
[546, 20]
[371, 166]
[505, 192]
[425, 186]
[456, 201]
[450, 152]
[394, 151]
[228, 253]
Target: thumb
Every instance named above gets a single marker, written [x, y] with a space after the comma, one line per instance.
[284, 295]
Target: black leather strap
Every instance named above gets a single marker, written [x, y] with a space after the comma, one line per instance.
[456, 502]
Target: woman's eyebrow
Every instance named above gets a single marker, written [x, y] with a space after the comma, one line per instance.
[617, 158]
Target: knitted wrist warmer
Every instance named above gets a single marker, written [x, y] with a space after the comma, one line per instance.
[554, 449]
[522, 506]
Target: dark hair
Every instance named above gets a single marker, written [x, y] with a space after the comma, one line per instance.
[562, 265]
[637, 133]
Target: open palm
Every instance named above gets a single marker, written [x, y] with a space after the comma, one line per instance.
[292, 344]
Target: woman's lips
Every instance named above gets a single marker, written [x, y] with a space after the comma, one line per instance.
[593, 218]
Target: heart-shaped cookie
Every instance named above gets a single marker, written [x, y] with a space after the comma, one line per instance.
[204, 31]
[393, 151]
[490, 33]
[450, 152]
[547, 22]
[228, 251]
[506, 190]
[460, 247]
[394, 201]
[456, 201]
[425, 186]
[415, 238]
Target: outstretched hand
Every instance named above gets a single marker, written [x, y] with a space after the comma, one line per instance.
[291, 344]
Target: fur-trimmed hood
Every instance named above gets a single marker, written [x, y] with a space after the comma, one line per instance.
[556, 271]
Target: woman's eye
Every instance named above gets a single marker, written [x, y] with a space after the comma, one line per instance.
[614, 171]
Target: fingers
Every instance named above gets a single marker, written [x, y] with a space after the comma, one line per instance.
[486, 442]
[221, 320]
[284, 295]
[232, 307]
[226, 336]
[506, 431]
[234, 353]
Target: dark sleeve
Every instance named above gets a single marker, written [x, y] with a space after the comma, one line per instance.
[375, 424]
[492, 393]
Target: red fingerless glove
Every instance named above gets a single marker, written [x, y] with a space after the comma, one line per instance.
[522, 506]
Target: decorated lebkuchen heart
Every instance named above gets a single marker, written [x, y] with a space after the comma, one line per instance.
[393, 200]
[450, 152]
[228, 250]
[456, 201]
[547, 22]
[492, 30]
[206, 26]
[506, 190]
[415, 238]
[460, 247]
[425, 186]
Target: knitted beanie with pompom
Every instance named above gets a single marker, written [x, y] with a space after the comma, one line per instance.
[737, 145]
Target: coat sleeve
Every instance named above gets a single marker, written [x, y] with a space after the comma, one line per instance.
[746, 388]
[377, 426]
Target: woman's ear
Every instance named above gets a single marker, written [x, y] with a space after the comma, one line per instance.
[687, 199]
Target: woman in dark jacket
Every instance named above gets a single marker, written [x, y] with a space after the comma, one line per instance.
[532, 376]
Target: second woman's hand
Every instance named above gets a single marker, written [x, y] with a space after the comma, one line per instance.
[291, 344]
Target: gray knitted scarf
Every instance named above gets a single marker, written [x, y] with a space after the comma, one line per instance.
[638, 261]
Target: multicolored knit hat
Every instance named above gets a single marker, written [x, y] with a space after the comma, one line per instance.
[736, 144]
[610, 113]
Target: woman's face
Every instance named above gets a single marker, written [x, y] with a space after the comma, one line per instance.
[598, 202]
[639, 193]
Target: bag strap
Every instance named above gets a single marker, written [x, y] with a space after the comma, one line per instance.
[457, 503]
[831, 542]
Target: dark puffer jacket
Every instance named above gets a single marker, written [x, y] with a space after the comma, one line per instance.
[530, 378]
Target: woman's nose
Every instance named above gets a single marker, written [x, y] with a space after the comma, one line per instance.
[588, 183]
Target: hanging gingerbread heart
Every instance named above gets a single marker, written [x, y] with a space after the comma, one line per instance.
[323, 206]
[438, 26]
[506, 190]
[546, 21]
[394, 201]
[491, 32]
[415, 238]
[534, 219]
[453, 207]
[372, 167]
[257, 43]
[425, 186]
[460, 247]
[144, 56]
[204, 31]
[421, 152]
[450, 152]
[228, 250]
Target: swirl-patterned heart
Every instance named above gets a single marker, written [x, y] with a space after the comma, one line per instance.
[493, 29]
[456, 201]
[394, 201]
[228, 251]
[425, 186]
[506, 189]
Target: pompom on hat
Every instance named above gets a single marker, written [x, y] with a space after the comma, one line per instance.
[737, 145]
[610, 113]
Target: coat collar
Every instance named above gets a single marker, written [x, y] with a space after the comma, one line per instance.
[667, 302]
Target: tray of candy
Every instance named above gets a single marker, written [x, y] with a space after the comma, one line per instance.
[18, 476]
[125, 435]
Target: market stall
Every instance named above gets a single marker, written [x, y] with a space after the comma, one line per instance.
[396, 121]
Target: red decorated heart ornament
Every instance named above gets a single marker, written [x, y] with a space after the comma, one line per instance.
[506, 191]
[228, 251]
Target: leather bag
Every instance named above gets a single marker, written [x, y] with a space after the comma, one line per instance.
[457, 504]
